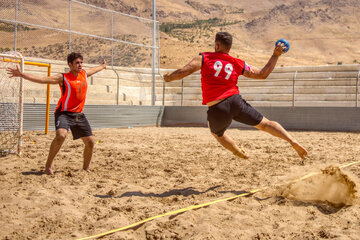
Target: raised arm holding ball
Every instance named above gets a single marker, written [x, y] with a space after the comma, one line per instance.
[219, 77]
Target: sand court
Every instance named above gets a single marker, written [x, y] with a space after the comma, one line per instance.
[138, 173]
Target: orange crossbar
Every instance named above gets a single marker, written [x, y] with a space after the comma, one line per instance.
[28, 63]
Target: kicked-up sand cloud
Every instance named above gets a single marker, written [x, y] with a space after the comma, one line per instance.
[331, 186]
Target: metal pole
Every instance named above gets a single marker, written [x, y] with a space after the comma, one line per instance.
[293, 91]
[153, 53]
[15, 30]
[117, 86]
[357, 89]
[112, 39]
[69, 26]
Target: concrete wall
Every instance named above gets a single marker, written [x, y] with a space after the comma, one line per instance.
[298, 118]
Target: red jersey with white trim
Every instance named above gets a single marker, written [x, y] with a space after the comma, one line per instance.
[219, 75]
[73, 92]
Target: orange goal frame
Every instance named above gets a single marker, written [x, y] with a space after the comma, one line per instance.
[48, 65]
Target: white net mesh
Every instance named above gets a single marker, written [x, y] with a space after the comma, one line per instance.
[10, 105]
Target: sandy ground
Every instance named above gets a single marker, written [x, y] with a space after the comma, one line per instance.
[142, 172]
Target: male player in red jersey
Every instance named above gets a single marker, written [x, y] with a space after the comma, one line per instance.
[69, 111]
[219, 76]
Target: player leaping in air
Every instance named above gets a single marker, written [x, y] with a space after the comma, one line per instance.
[69, 111]
[219, 76]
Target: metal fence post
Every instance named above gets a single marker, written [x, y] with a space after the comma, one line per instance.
[293, 91]
[153, 53]
[112, 39]
[15, 30]
[69, 26]
[357, 89]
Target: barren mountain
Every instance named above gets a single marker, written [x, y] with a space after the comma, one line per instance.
[319, 31]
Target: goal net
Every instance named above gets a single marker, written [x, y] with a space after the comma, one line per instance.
[11, 105]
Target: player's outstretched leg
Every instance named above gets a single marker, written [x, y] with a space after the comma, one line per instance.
[228, 143]
[88, 150]
[277, 130]
[54, 149]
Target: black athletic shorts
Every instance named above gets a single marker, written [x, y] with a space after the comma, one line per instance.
[77, 122]
[234, 107]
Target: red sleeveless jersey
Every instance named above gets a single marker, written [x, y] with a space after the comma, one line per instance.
[73, 92]
[219, 75]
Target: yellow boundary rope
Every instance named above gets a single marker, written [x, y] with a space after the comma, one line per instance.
[205, 204]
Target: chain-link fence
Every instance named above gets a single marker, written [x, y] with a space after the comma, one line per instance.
[47, 30]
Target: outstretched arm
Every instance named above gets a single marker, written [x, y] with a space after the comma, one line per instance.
[193, 66]
[96, 69]
[263, 73]
[15, 72]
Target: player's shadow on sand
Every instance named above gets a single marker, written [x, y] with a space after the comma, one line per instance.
[238, 192]
[36, 172]
[184, 192]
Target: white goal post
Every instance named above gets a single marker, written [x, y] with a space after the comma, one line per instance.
[11, 104]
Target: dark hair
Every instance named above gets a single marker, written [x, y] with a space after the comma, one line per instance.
[224, 38]
[72, 56]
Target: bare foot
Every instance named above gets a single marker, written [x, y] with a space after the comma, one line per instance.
[241, 154]
[49, 171]
[299, 149]
[87, 170]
